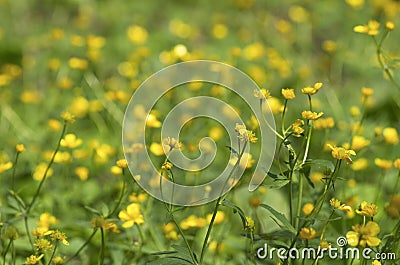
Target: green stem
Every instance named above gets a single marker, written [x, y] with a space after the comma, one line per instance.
[396, 185]
[6, 251]
[219, 200]
[119, 200]
[28, 232]
[283, 118]
[299, 200]
[52, 254]
[103, 243]
[28, 209]
[82, 247]
[14, 171]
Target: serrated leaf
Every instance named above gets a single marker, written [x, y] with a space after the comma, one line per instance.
[236, 209]
[284, 223]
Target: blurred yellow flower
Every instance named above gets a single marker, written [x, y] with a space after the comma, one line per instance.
[193, 221]
[68, 117]
[376, 262]
[262, 93]
[170, 232]
[79, 107]
[40, 170]
[152, 121]
[367, 209]
[396, 163]
[355, 3]
[131, 215]
[20, 148]
[156, 149]
[219, 31]
[307, 208]
[115, 170]
[141, 197]
[70, 141]
[216, 133]
[78, 63]
[46, 220]
[137, 34]
[5, 166]
[393, 208]
[383, 164]
[389, 25]
[372, 28]
[122, 163]
[308, 233]
[246, 161]
[390, 135]
[167, 166]
[253, 51]
[275, 106]
[364, 235]
[359, 142]
[82, 173]
[219, 218]
[329, 46]
[324, 123]
[360, 164]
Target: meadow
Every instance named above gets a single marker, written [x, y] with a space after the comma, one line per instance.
[329, 85]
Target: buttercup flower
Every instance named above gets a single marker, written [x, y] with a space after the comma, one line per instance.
[311, 90]
[309, 115]
[288, 93]
[324, 123]
[297, 127]
[359, 142]
[244, 134]
[131, 215]
[31, 260]
[393, 208]
[308, 233]
[390, 135]
[70, 141]
[372, 28]
[68, 117]
[250, 226]
[262, 93]
[389, 25]
[335, 203]
[20, 148]
[43, 244]
[167, 166]
[364, 235]
[5, 166]
[342, 153]
[366, 209]
[307, 208]
[193, 221]
[383, 164]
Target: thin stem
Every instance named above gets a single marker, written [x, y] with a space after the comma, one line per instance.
[299, 200]
[6, 250]
[53, 253]
[119, 200]
[283, 118]
[14, 171]
[82, 247]
[28, 231]
[218, 203]
[47, 170]
[103, 243]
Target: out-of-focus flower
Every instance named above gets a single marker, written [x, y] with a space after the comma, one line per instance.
[70, 141]
[307, 233]
[192, 221]
[309, 115]
[364, 235]
[311, 90]
[383, 164]
[372, 28]
[390, 135]
[297, 127]
[288, 93]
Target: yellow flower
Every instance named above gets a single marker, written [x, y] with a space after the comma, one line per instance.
[389, 25]
[152, 121]
[396, 163]
[170, 232]
[54, 125]
[308, 233]
[383, 164]
[376, 262]
[216, 133]
[167, 166]
[141, 197]
[366, 209]
[324, 123]
[82, 173]
[68, 117]
[79, 107]
[131, 215]
[122, 163]
[275, 106]
[172, 144]
[78, 63]
[307, 208]
[262, 93]
[342, 153]
[311, 90]
[32, 259]
[335, 203]
[244, 134]
[43, 244]
[193, 221]
[58, 260]
[40, 171]
[46, 220]
[390, 136]
[393, 208]
[115, 170]
[219, 218]
[364, 235]
[137, 34]
[219, 31]
[367, 92]
[58, 235]
[309, 115]
[359, 142]
[297, 127]
[5, 166]
[20, 148]
[70, 141]
[250, 226]
[156, 149]
[101, 222]
[288, 93]
[360, 164]
[246, 161]
[371, 29]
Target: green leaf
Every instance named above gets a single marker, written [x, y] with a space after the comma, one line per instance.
[92, 210]
[183, 252]
[284, 223]
[170, 261]
[276, 184]
[236, 209]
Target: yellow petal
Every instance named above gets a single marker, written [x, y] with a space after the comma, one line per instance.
[352, 238]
